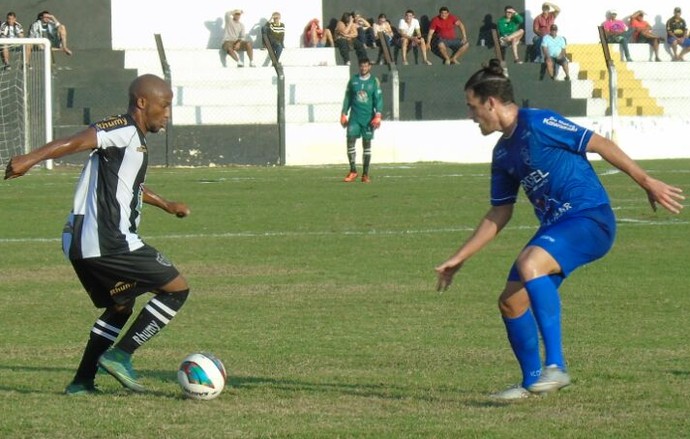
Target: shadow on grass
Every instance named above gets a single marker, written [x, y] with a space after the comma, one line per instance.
[438, 394]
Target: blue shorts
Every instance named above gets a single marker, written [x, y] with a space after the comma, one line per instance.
[577, 240]
[684, 43]
[453, 45]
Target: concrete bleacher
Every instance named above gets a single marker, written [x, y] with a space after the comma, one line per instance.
[645, 87]
[210, 89]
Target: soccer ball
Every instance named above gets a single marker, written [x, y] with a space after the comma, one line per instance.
[201, 376]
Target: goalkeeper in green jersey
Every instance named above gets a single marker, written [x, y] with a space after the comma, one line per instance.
[364, 104]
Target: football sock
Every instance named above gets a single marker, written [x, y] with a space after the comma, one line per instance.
[352, 153]
[152, 319]
[366, 144]
[524, 339]
[546, 306]
[103, 334]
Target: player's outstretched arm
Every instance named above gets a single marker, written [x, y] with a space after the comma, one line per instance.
[492, 223]
[668, 196]
[82, 141]
[180, 210]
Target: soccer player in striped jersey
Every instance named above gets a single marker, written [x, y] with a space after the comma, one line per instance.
[544, 153]
[100, 238]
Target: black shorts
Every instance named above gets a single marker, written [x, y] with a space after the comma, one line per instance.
[117, 279]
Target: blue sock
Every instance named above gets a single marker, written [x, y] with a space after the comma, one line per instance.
[546, 306]
[524, 339]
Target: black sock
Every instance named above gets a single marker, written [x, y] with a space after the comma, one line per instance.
[155, 315]
[103, 334]
[367, 155]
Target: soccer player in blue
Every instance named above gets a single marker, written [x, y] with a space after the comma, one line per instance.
[545, 154]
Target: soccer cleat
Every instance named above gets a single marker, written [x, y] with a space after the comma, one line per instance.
[552, 379]
[118, 363]
[366, 179]
[349, 178]
[512, 393]
[84, 388]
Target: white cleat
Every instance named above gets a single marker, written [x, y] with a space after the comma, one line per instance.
[552, 379]
[512, 393]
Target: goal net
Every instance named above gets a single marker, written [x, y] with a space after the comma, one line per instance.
[25, 96]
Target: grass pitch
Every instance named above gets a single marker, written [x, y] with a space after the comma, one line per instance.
[319, 298]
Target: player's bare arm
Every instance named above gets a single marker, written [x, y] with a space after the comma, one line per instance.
[180, 210]
[668, 196]
[489, 227]
[82, 141]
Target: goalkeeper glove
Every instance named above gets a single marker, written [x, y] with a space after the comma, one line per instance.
[376, 121]
[343, 120]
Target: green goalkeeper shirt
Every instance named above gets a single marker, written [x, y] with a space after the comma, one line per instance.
[363, 99]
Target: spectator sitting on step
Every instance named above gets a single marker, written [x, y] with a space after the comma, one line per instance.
[383, 26]
[314, 36]
[274, 29]
[235, 38]
[509, 31]
[10, 29]
[642, 32]
[411, 36]
[48, 26]
[617, 31]
[365, 31]
[346, 38]
[553, 50]
[677, 31]
[541, 26]
[447, 43]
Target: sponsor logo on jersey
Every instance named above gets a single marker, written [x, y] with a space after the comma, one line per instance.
[142, 148]
[111, 123]
[560, 124]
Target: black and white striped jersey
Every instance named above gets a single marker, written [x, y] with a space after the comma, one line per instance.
[109, 195]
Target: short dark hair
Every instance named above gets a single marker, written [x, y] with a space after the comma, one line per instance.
[41, 14]
[409, 11]
[364, 60]
[508, 7]
[491, 81]
[443, 9]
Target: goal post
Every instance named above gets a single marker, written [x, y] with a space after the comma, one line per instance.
[26, 96]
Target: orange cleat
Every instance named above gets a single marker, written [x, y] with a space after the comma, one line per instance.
[352, 176]
[366, 179]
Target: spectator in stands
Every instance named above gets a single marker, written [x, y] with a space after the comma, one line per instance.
[509, 31]
[553, 50]
[314, 36]
[383, 27]
[677, 31]
[447, 43]
[235, 38]
[411, 36]
[10, 29]
[48, 26]
[361, 115]
[346, 38]
[365, 31]
[274, 29]
[541, 26]
[617, 31]
[642, 32]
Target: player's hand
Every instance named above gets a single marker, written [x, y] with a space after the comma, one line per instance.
[180, 210]
[343, 120]
[668, 196]
[16, 167]
[445, 273]
[376, 121]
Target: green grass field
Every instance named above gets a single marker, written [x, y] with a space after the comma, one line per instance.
[319, 298]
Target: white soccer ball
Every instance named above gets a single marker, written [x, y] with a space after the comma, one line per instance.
[201, 376]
